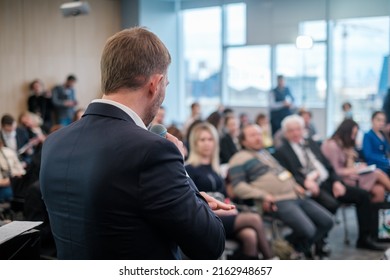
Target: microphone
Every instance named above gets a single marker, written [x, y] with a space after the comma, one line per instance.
[158, 129]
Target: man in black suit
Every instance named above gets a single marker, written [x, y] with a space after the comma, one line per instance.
[304, 159]
[114, 190]
[229, 144]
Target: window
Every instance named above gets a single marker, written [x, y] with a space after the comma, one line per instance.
[360, 47]
[248, 75]
[202, 54]
[304, 72]
[235, 33]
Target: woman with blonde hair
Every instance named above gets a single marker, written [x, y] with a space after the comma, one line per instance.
[204, 169]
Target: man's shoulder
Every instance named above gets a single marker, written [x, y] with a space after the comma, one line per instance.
[283, 148]
[57, 89]
[240, 156]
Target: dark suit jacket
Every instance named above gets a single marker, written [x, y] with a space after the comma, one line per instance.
[227, 148]
[287, 157]
[114, 190]
[22, 137]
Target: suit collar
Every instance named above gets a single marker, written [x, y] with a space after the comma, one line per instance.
[109, 109]
[133, 115]
[292, 153]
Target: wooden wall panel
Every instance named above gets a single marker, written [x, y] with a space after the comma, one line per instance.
[36, 41]
[11, 55]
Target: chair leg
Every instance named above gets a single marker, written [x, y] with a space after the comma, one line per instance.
[275, 229]
[346, 233]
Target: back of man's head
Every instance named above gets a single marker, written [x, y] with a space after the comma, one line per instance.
[71, 78]
[130, 58]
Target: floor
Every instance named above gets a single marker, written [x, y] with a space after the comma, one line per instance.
[342, 251]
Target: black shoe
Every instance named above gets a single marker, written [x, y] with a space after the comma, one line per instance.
[308, 255]
[322, 250]
[368, 244]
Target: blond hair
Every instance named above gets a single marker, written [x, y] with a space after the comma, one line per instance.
[194, 157]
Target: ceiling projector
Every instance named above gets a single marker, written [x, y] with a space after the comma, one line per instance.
[75, 8]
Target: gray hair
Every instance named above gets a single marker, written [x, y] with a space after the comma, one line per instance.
[292, 119]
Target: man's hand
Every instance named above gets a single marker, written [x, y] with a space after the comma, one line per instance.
[179, 144]
[338, 189]
[269, 203]
[312, 186]
[222, 213]
[5, 182]
[300, 190]
[216, 204]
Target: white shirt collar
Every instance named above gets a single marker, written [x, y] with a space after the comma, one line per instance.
[124, 108]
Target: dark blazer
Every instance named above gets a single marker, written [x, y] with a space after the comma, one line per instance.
[227, 148]
[114, 190]
[21, 136]
[287, 157]
[376, 150]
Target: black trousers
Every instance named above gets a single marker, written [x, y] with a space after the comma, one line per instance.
[353, 195]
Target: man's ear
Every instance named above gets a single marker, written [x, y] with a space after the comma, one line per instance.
[154, 83]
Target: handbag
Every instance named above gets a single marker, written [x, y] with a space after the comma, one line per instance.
[380, 227]
[281, 247]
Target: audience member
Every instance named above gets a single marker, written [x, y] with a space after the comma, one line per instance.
[347, 110]
[244, 120]
[278, 139]
[160, 116]
[310, 168]
[32, 123]
[281, 103]
[376, 147]
[16, 138]
[228, 112]
[187, 136]
[229, 141]
[40, 103]
[78, 114]
[255, 174]
[309, 131]
[263, 121]
[341, 153]
[10, 168]
[217, 120]
[203, 168]
[195, 115]
[386, 110]
[175, 131]
[64, 101]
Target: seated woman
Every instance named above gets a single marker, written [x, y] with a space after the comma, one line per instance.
[340, 151]
[10, 167]
[376, 147]
[263, 122]
[203, 166]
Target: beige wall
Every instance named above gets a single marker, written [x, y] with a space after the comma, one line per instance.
[36, 41]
